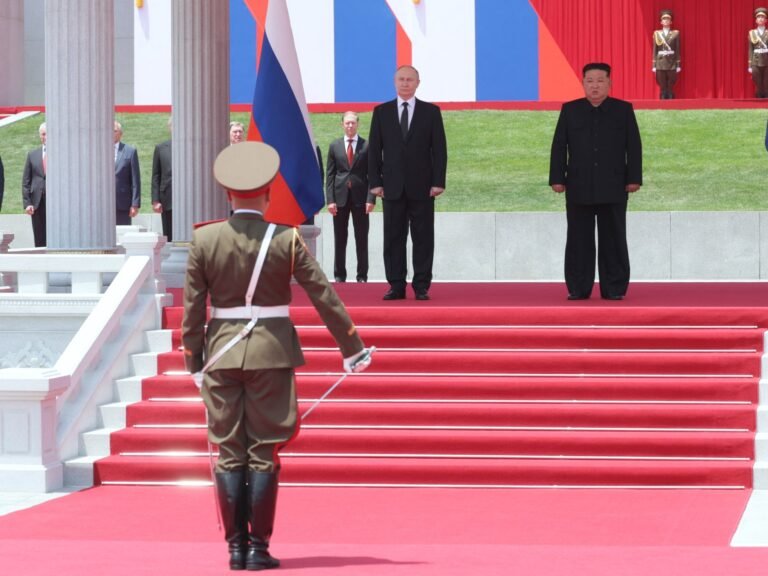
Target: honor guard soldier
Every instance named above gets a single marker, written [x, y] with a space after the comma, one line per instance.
[244, 359]
[758, 54]
[666, 55]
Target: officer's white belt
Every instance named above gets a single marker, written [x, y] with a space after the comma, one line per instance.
[761, 50]
[249, 312]
[666, 52]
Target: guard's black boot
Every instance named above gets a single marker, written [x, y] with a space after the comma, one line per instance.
[233, 503]
[262, 499]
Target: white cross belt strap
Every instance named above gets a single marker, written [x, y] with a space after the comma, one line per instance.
[249, 310]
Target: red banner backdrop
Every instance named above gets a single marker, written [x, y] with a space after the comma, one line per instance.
[619, 32]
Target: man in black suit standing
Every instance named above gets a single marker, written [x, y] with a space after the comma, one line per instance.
[407, 160]
[162, 190]
[2, 183]
[33, 188]
[346, 192]
[127, 180]
[596, 160]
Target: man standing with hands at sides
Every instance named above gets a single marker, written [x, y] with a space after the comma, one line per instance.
[162, 188]
[758, 54]
[127, 180]
[2, 183]
[666, 55]
[33, 188]
[346, 192]
[596, 160]
[407, 160]
[245, 266]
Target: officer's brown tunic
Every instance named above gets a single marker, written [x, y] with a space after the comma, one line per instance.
[250, 392]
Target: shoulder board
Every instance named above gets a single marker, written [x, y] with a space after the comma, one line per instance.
[201, 224]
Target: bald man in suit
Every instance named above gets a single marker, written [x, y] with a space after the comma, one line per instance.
[33, 188]
[407, 161]
[127, 180]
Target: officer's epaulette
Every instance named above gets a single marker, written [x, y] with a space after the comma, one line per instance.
[201, 224]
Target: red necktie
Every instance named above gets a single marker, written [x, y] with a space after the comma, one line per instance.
[350, 153]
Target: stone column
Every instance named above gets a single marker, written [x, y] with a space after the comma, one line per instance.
[12, 52]
[200, 98]
[79, 99]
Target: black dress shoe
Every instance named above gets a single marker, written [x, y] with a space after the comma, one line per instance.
[393, 294]
[578, 296]
[422, 295]
[339, 280]
[613, 297]
[362, 279]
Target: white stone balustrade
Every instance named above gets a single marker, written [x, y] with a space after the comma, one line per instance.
[45, 405]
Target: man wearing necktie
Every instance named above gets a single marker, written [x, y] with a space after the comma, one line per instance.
[758, 53]
[127, 180]
[407, 161]
[33, 188]
[666, 55]
[346, 193]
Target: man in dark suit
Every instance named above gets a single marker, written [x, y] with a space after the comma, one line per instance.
[249, 387]
[596, 160]
[407, 160]
[346, 192]
[127, 180]
[2, 183]
[33, 188]
[162, 191]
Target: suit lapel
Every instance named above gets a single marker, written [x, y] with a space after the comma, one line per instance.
[120, 150]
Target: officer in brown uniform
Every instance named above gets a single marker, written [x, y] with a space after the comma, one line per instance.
[250, 347]
[758, 54]
[666, 55]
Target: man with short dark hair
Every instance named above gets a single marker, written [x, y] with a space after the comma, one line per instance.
[347, 194]
[162, 185]
[596, 160]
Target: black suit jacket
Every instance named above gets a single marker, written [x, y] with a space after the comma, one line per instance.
[162, 175]
[33, 179]
[343, 180]
[596, 151]
[127, 178]
[409, 166]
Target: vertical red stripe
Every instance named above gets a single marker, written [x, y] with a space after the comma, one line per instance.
[403, 47]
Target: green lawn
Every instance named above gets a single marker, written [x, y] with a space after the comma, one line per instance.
[499, 160]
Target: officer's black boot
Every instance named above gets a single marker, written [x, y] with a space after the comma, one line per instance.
[262, 499]
[233, 503]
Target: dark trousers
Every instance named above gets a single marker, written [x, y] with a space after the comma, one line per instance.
[666, 80]
[38, 224]
[399, 216]
[612, 252]
[360, 224]
[123, 218]
[167, 220]
[760, 78]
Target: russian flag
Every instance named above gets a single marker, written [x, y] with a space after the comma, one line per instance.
[280, 118]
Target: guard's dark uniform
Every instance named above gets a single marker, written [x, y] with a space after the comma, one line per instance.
[666, 56]
[758, 54]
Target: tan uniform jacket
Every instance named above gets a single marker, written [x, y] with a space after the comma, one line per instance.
[221, 260]
[662, 59]
[758, 48]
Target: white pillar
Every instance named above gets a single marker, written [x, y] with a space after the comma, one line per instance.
[200, 95]
[12, 52]
[79, 99]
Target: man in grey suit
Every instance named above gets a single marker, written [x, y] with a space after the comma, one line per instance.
[162, 191]
[597, 161]
[127, 180]
[346, 193]
[33, 188]
[407, 161]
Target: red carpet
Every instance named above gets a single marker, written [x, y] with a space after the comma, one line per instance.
[499, 384]
[128, 531]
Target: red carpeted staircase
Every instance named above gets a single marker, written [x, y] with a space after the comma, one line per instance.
[601, 395]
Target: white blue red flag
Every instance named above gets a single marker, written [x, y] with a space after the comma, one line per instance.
[280, 118]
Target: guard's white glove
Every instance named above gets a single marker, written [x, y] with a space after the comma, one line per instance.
[653, 70]
[678, 69]
[197, 377]
[360, 361]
